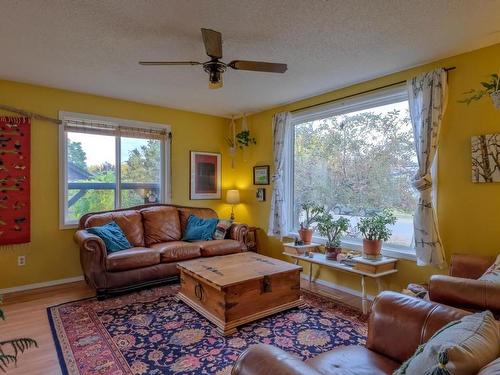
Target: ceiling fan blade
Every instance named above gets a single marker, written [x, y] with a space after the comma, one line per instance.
[213, 43]
[258, 66]
[152, 63]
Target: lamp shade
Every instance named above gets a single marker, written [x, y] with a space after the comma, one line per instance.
[233, 196]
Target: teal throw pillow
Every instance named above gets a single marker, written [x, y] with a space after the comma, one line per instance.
[198, 229]
[112, 235]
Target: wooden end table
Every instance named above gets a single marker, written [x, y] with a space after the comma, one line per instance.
[320, 259]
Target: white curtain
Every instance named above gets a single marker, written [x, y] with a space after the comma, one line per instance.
[427, 98]
[282, 127]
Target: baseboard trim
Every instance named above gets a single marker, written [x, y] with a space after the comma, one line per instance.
[45, 284]
[341, 288]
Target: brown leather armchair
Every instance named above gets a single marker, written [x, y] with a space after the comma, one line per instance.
[155, 232]
[461, 288]
[398, 324]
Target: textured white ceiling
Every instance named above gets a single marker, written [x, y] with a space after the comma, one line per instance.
[93, 46]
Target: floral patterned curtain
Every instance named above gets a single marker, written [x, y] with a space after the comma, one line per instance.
[282, 127]
[427, 98]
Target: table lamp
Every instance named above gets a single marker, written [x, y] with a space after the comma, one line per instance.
[233, 198]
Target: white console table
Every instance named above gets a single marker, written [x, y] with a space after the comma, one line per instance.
[320, 260]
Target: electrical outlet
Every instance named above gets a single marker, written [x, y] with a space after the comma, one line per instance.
[21, 260]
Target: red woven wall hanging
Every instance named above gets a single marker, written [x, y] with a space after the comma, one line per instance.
[15, 150]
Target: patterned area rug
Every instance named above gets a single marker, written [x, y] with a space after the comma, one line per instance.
[149, 332]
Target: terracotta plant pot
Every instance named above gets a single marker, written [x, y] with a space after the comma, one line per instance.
[372, 248]
[306, 235]
[332, 252]
[495, 97]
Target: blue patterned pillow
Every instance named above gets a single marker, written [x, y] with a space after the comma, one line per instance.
[112, 235]
[198, 229]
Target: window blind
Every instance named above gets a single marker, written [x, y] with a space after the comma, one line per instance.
[104, 128]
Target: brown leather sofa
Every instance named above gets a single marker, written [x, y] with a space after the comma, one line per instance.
[155, 232]
[462, 289]
[398, 324]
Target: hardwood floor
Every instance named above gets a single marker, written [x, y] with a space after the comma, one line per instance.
[27, 317]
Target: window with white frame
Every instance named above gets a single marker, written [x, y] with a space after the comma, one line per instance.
[356, 158]
[108, 163]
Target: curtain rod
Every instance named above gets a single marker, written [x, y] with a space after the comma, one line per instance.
[358, 93]
[30, 114]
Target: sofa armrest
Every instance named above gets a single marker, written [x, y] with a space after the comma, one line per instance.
[465, 293]
[469, 266]
[92, 257]
[407, 321]
[239, 233]
[264, 359]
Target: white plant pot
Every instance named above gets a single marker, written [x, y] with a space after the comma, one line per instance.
[495, 97]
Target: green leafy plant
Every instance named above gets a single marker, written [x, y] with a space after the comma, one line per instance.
[313, 212]
[332, 229]
[375, 227]
[243, 139]
[17, 346]
[488, 87]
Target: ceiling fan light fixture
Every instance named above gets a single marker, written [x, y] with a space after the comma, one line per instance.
[215, 79]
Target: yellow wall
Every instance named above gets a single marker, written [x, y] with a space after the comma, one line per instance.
[469, 214]
[52, 255]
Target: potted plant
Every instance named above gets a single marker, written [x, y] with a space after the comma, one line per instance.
[491, 87]
[333, 231]
[312, 213]
[244, 139]
[374, 230]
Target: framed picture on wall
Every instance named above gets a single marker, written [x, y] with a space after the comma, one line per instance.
[261, 194]
[205, 175]
[261, 175]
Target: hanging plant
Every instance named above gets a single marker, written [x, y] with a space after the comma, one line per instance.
[243, 139]
[491, 87]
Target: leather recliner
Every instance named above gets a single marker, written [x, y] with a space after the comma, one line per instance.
[461, 288]
[155, 232]
[397, 325]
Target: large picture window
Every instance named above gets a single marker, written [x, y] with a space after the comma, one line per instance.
[110, 163]
[357, 158]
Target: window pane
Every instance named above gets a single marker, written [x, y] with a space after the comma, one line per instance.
[358, 164]
[91, 174]
[140, 171]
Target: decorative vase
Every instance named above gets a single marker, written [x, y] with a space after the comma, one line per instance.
[332, 253]
[372, 248]
[495, 98]
[306, 235]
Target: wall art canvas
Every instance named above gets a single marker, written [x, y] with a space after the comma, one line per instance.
[486, 158]
[205, 175]
[15, 150]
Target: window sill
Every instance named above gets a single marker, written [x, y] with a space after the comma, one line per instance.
[390, 251]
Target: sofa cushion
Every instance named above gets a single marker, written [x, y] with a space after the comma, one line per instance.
[218, 247]
[493, 273]
[350, 360]
[136, 257]
[112, 235]
[461, 347]
[175, 251]
[161, 224]
[185, 212]
[130, 221]
[198, 229]
[222, 228]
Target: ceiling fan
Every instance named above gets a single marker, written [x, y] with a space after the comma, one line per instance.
[214, 67]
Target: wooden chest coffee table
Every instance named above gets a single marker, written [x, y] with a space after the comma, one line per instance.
[232, 290]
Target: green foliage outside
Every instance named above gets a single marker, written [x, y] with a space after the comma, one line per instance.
[142, 164]
[359, 164]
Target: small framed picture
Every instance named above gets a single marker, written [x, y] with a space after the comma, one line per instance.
[261, 175]
[261, 194]
[205, 175]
